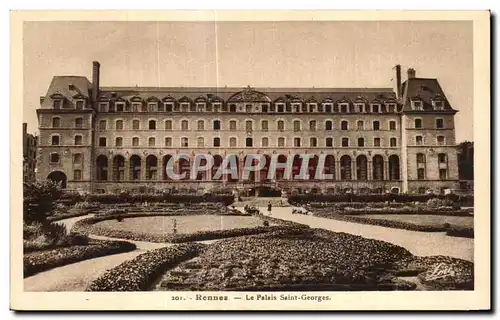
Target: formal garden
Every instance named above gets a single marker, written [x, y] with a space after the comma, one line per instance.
[206, 244]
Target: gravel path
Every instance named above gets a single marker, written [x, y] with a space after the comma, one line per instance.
[418, 243]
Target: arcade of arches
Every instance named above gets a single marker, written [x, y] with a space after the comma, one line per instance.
[151, 168]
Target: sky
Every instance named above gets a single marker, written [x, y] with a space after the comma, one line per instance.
[295, 54]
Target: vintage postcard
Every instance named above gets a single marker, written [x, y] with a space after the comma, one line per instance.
[250, 160]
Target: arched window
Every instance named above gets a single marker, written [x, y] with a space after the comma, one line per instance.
[360, 125]
[56, 122]
[201, 125]
[281, 125]
[420, 158]
[392, 125]
[345, 168]
[328, 125]
[313, 142]
[152, 124]
[329, 142]
[136, 124]
[249, 142]
[216, 125]
[312, 125]
[264, 125]
[119, 141]
[184, 125]
[394, 167]
[216, 142]
[168, 125]
[232, 125]
[119, 125]
[151, 141]
[249, 125]
[135, 141]
[361, 142]
[344, 125]
[393, 142]
[296, 142]
[296, 126]
[232, 142]
[200, 142]
[102, 125]
[281, 142]
[378, 167]
[345, 142]
[440, 141]
[265, 142]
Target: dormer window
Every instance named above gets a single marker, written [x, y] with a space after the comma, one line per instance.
[184, 106]
[360, 107]
[57, 104]
[80, 104]
[161, 107]
[312, 107]
[438, 105]
[265, 107]
[120, 106]
[328, 107]
[376, 108]
[103, 107]
[200, 106]
[296, 107]
[344, 107]
[280, 107]
[391, 107]
[152, 106]
[136, 107]
[169, 106]
[217, 106]
[417, 105]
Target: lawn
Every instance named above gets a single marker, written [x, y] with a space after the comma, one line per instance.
[160, 225]
[424, 220]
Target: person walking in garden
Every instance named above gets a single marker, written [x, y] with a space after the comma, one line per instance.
[269, 207]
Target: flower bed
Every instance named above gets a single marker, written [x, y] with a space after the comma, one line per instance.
[39, 261]
[70, 214]
[173, 198]
[139, 273]
[298, 259]
[439, 272]
[88, 226]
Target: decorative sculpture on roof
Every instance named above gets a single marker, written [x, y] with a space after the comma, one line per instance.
[249, 95]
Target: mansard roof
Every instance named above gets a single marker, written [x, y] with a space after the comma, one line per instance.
[233, 94]
[70, 88]
[424, 89]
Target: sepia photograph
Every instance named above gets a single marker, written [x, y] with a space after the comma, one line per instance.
[251, 162]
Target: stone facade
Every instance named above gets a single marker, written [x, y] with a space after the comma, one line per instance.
[109, 139]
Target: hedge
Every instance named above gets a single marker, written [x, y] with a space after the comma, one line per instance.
[175, 198]
[139, 273]
[297, 199]
[426, 211]
[68, 215]
[450, 229]
[39, 261]
[87, 227]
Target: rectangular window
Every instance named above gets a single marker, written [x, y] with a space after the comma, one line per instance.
[442, 174]
[78, 140]
[102, 142]
[152, 107]
[329, 142]
[184, 142]
[54, 157]
[376, 142]
[376, 125]
[119, 142]
[265, 142]
[265, 125]
[232, 125]
[120, 106]
[393, 142]
[281, 142]
[392, 125]
[281, 125]
[439, 123]
[102, 125]
[79, 105]
[232, 142]
[103, 107]
[216, 142]
[421, 174]
[169, 107]
[54, 140]
[77, 174]
[77, 158]
[417, 105]
[419, 140]
[57, 104]
[312, 125]
[249, 142]
[161, 107]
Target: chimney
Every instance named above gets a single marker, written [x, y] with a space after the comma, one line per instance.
[398, 82]
[411, 73]
[95, 80]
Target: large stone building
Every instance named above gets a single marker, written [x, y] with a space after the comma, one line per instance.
[29, 155]
[108, 139]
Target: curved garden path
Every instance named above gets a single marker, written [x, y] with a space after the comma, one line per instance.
[418, 243]
[77, 276]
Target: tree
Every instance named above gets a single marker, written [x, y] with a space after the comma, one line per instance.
[466, 160]
[39, 199]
